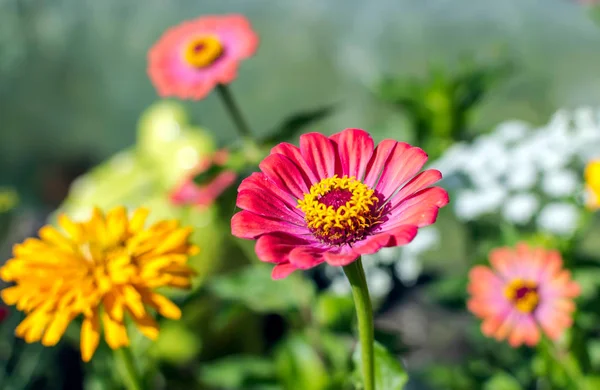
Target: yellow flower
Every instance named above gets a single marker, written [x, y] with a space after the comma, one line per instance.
[101, 269]
[592, 183]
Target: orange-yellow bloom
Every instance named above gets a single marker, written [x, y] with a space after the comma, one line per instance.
[103, 269]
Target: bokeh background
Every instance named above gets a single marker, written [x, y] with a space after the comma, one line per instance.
[73, 87]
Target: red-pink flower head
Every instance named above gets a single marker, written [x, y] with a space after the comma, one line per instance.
[3, 313]
[210, 179]
[525, 290]
[334, 199]
[190, 59]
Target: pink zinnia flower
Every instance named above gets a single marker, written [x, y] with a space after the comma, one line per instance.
[208, 181]
[190, 59]
[525, 290]
[334, 199]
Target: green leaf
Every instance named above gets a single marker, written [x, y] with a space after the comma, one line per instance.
[240, 372]
[299, 366]
[389, 373]
[295, 123]
[334, 311]
[254, 287]
[502, 381]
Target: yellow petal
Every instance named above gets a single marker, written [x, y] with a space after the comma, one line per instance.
[90, 336]
[138, 220]
[133, 300]
[115, 332]
[113, 304]
[116, 223]
[96, 227]
[73, 229]
[39, 320]
[193, 250]
[11, 295]
[56, 329]
[162, 304]
[54, 237]
[146, 324]
[180, 281]
[174, 240]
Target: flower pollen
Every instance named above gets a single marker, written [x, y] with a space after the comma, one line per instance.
[523, 294]
[203, 51]
[340, 210]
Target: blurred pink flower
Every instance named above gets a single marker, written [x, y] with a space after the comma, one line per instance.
[525, 290]
[208, 181]
[190, 59]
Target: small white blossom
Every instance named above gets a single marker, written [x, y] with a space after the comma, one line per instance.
[522, 178]
[559, 218]
[520, 208]
[561, 183]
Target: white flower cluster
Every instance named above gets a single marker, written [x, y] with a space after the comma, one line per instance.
[525, 174]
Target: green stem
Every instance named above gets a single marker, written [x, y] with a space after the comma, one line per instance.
[234, 111]
[364, 312]
[125, 361]
[573, 374]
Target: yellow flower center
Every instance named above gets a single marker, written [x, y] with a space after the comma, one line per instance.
[340, 210]
[203, 51]
[523, 294]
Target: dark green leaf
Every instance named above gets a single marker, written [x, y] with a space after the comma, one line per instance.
[389, 373]
[295, 123]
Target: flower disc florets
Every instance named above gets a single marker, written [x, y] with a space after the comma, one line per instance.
[340, 210]
[523, 294]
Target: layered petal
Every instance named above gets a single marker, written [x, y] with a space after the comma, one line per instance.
[246, 224]
[355, 148]
[320, 154]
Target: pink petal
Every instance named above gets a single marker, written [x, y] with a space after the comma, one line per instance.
[378, 161]
[276, 247]
[403, 164]
[246, 224]
[268, 206]
[341, 258]
[355, 148]
[293, 153]
[319, 153]
[258, 181]
[283, 270]
[285, 174]
[402, 235]
[416, 184]
[372, 244]
[420, 210]
[306, 257]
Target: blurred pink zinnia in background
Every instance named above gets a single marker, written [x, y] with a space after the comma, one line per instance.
[334, 199]
[190, 59]
[207, 183]
[526, 289]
